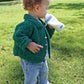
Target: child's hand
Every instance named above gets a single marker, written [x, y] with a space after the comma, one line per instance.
[51, 27]
[34, 47]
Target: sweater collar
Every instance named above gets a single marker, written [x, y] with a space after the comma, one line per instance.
[34, 20]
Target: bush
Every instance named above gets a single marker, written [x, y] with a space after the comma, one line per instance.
[5, 0]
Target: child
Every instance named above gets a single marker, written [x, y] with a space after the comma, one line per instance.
[32, 42]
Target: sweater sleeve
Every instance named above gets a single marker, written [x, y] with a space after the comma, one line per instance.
[50, 31]
[22, 34]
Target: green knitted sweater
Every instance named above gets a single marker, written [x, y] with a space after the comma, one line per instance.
[31, 30]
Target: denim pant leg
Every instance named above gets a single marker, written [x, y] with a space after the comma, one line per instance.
[31, 72]
[43, 75]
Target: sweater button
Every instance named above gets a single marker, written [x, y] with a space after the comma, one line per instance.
[45, 37]
[46, 44]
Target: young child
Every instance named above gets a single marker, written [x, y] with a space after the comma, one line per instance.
[32, 42]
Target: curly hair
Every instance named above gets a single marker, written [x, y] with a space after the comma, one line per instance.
[29, 4]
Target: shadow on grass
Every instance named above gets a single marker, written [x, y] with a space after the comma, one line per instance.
[68, 51]
[80, 15]
[9, 3]
[16, 75]
[67, 46]
[69, 6]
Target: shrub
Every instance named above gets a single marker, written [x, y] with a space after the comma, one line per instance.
[5, 0]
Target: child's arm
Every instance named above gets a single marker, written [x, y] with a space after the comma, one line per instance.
[21, 35]
[50, 30]
[51, 27]
[21, 38]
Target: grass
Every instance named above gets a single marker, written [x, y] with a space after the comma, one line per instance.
[66, 65]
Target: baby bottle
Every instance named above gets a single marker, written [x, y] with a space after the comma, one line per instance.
[50, 19]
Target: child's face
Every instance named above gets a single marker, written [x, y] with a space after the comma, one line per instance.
[43, 8]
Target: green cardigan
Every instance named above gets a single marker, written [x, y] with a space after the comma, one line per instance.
[31, 30]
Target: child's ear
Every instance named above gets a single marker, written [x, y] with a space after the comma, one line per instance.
[37, 7]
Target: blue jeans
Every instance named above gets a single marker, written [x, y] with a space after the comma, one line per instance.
[33, 70]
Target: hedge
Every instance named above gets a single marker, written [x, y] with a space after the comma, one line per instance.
[5, 0]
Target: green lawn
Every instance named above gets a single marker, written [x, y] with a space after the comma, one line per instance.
[66, 65]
